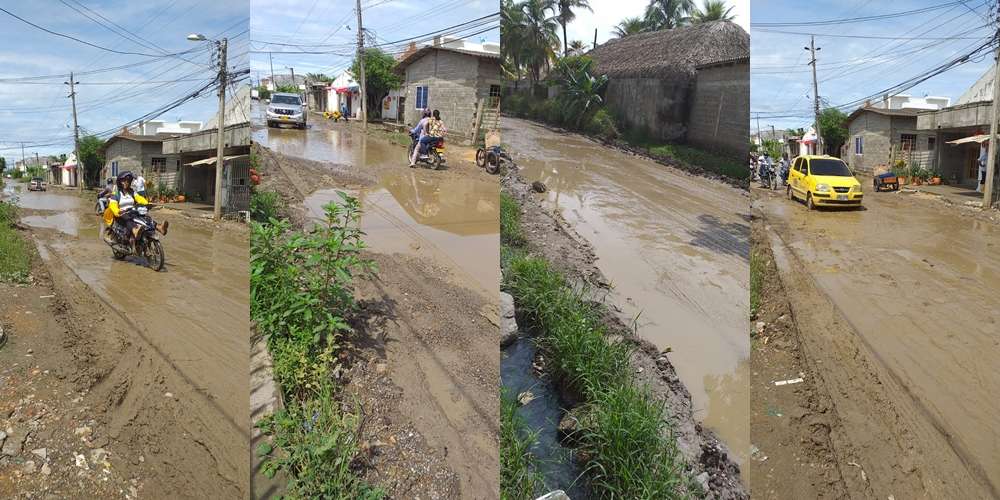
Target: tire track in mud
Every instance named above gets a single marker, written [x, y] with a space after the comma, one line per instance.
[900, 447]
[159, 430]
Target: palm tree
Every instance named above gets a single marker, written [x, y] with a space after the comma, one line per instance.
[630, 26]
[565, 15]
[576, 47]
[713, 10]
[582, 90]
[541, 38]
[513, 35]
[668, 14]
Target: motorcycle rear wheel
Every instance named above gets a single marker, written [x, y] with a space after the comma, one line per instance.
[435, 160]
[154, 255]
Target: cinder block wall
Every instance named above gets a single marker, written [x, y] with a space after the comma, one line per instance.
[720, 108]
[453, 82]
[657, 105]
[876, 130]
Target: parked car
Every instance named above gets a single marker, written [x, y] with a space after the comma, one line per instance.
[823, 181]
[36, 184]
[286, 108]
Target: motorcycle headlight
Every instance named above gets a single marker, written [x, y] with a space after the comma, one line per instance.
[143, 210]
[822, 188]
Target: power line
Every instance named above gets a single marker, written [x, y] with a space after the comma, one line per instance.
[850, 20]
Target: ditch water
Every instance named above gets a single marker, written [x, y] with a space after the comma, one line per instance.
[542, 415]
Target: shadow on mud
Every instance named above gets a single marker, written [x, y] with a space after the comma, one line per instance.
[730, 238]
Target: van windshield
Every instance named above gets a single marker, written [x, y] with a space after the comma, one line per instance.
[835, 168]
[285, 99]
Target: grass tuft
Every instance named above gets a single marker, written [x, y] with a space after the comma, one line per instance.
[519, 476]
[631, 451]
[15, 251]
[510, 221]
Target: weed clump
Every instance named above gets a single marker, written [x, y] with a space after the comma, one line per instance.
[15, 252]
[519, 476]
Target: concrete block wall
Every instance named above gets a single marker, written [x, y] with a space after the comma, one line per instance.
[720, 108]
[876, 130]
[455, 83]
[657, 105]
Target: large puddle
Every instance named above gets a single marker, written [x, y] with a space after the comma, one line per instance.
[452, 220]
[676, 250]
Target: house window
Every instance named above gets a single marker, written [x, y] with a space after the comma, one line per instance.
[159, 165]
[421, 99]
[494, 96]
[931, 142]
[907, 142]
[114, 169]
[859, 145]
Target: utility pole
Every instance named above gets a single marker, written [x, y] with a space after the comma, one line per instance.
[991, 161]
[24, 163]
[221, 130]
[293, 79]
[759, 138]
[595, 38]
[80, 173]
[819, 136]
[275, 85]
[361, 64]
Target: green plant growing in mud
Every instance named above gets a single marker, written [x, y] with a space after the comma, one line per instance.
[301, 294]
[265, 205]
[15, 252]
[758, 267]
[519, 476]
[318, 442]
[301, 290]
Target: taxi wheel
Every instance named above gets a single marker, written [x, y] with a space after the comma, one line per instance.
[809, 202]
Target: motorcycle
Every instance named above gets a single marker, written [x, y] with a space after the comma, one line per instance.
[435, 152]
[101, 204]
[147, 243]
[768, 179]
[492, 158]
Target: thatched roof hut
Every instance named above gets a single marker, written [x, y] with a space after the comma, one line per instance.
[678, 50]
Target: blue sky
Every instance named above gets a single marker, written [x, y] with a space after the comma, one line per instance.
[332, 25]
[608, 13]
[39, 112]
[852, 68]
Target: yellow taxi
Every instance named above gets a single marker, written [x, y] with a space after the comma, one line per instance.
[822, 180]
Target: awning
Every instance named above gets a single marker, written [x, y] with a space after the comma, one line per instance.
[981, 138]
[347, 90]
[211, 161]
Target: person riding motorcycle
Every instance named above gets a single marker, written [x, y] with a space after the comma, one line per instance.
[435, 132]
[418, 133]
[105, 195]
[123, 207]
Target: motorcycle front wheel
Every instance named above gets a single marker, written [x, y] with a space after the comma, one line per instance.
[154, 255]
[481, 157]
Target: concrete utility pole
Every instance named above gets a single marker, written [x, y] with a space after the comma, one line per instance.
[80, 170]
[275, 85]
[293, 79]
[759, 138]
[991, 161]
[220, 148]
[812, 48]
[361, 64]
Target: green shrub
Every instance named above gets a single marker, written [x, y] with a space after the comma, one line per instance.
[725, 165]
[265, 205]
[602, 123]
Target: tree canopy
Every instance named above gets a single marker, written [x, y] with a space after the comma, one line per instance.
[380, 77]
[833, 127]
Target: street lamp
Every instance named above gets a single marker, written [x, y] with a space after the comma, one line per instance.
[221, 125]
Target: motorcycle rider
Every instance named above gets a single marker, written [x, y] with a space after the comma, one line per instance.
[418, 134]
[104, 196]
[783, 168]
[435, 132]
[123, 205]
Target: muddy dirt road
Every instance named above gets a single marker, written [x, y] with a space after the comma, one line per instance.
[431, 340]
[674, 247]
[900, 299]
[186, 334]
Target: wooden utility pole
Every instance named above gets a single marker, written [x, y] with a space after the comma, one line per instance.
[595, 38]
[819, 135]
[81, 173]
[361, 65]
[991, 161]
[220, 147]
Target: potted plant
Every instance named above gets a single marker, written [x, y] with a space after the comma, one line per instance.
[900, 170]
[935, 176]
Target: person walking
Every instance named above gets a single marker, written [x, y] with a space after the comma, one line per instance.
[983, 158]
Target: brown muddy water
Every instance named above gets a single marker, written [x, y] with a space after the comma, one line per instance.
[675, 248]
[918, 282]
[448, 217]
